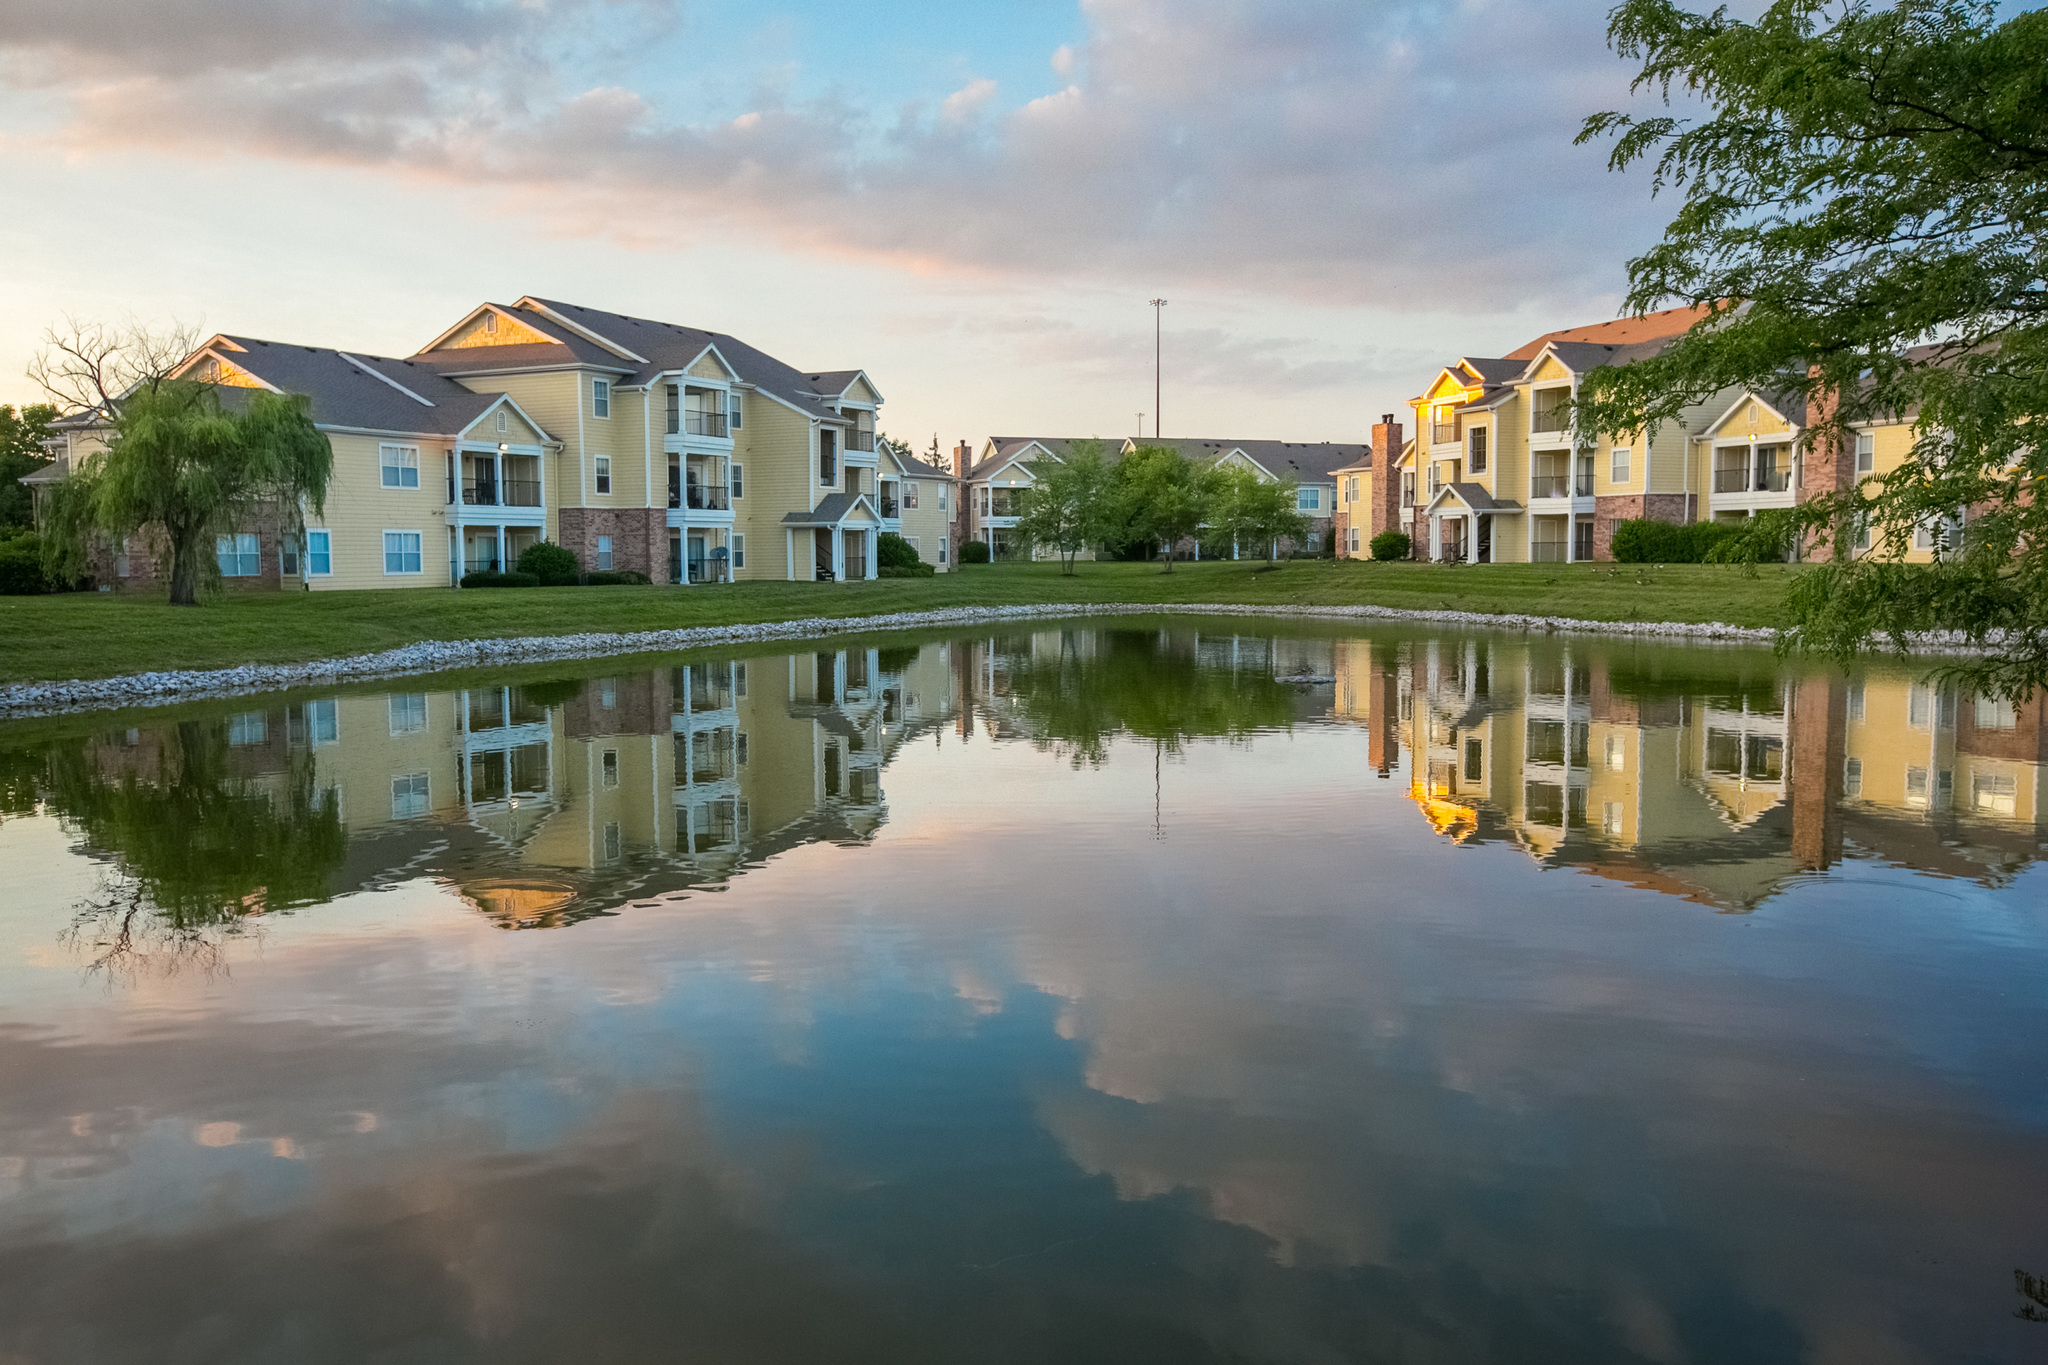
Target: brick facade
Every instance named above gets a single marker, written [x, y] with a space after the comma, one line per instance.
[639, 537]
[1386, 478]
[641, 704]
[1614, 508]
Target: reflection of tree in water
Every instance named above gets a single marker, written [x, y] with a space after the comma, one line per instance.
[1141, 684]
[201, 847]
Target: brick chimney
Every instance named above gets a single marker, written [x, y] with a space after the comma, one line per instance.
[963, 459]
[1386, 480]
[1827, 461]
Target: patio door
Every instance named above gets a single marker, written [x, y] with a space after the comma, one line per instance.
[696, 559]
[856, 554]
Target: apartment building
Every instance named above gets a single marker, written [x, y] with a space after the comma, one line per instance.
[680, 453]
[993, 485]
[1498, 473]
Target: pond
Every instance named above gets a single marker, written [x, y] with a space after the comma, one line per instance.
[1150, 993]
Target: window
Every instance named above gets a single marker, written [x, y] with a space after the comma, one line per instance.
[1852, 777]
[239, 556]
[1866, 452]
[739, 680]
[400, 465]
[828, 456]
[608, 693]
[942, 549]
[1610, 818]
[604, 553]
[319, 556]
[323, 721]
[600, 398]
[1408, 488]
[912, 542]
[984, 499]
[909, 495]
[1351, 489]
[1308, 499]
[250, 727]
[609, 766]
[614, 845]
[288, 558]
[1474, 752]
[408, 796]
[1994, 793]
[736, 476]
[402, 552]
[603, 468]
[1856, 700]
[1938, 534]
[1477, 438]
[408, 713]
[1622, 457]
[739, 552]
[1617, 754]
[739, 747]
[1996, 713]
[675, 409]
[1862, 541]
[1916, 786]
[942, 497]
[732, 411]
[490, 324]
[503, 424]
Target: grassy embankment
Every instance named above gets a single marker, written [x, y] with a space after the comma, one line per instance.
[99, 635]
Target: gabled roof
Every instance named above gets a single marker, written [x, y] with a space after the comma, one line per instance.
[1475, 497]
[1003, 449]
[1302, 461]
[832, 509]
[1789, 408]
[918, 469]
[350, 389]
[1582, 356]
[1660, 326]
[592, 337]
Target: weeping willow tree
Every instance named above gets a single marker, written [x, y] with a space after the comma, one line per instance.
[1863, 205]
[181, 464]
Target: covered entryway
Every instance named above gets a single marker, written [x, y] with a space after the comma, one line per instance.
[834, 541]
[1461, 523]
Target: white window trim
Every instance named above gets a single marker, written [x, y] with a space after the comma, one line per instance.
[385, 469]
[733, 418]
[738, 550]
[601, 393]
[235, 538]
[603, 554]
[735, 479]
[391, 714]
[385, 553]
[1621, 465]
[1866, 450]
[601, 473]
[306, 554]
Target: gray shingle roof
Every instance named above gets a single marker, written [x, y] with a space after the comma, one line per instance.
[1302, 461]
[831, 510]
[1008, 446]
[341, 394]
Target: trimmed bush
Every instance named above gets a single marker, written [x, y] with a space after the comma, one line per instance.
[1391, 545]
[614, 578]
[21, 566]
[550, 564]
[894, 552]
[1668, 542]
[499, 580]
[974, 552]
[918, 570]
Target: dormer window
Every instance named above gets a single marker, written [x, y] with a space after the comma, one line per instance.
[490, 324]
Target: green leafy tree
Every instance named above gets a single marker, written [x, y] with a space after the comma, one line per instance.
[191, 469]
[22, 433]
[1068, 506]
[1162, 497]
[1252, 515]
[1864, 201]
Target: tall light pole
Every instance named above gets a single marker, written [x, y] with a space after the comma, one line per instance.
[1158, 313]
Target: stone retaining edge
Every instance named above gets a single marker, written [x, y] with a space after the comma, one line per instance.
[23, 700]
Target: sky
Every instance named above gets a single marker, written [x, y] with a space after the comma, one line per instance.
[972, 202]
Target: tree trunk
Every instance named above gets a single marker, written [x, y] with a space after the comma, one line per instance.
[184, 570]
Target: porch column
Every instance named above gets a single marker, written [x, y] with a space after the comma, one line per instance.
[789, 554]
[838, 554]
[874, 550]
[1436, 538]
[460, 548]
[501, 547]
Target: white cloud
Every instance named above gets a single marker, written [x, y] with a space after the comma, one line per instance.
[963, 104]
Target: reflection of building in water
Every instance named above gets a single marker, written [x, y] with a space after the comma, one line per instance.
[549, 802]
[1715, 790]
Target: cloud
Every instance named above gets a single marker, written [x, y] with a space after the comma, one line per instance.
[1396, 153]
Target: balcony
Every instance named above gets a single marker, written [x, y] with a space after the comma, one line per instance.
[1554, 419]
[1550, 486]
[704, 424]
[708, 497]
[861, 441]
[1547, 552]
[1731, 481]
[480, 494]
[891, 509]
[1443, 433]
[520, 492]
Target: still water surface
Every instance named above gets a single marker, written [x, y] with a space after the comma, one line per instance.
[1073, 995]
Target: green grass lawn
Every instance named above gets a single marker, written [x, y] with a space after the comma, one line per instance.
[101, 635]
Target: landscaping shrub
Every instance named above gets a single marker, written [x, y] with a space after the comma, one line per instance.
[974, 552]
[550, 564]
[1667, 542]
[613, 578]
[1391, 545]
[487, 579]
[918, 570]
[21, 566]
[894, 552]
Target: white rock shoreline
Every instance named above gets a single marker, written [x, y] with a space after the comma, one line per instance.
[24, 700]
